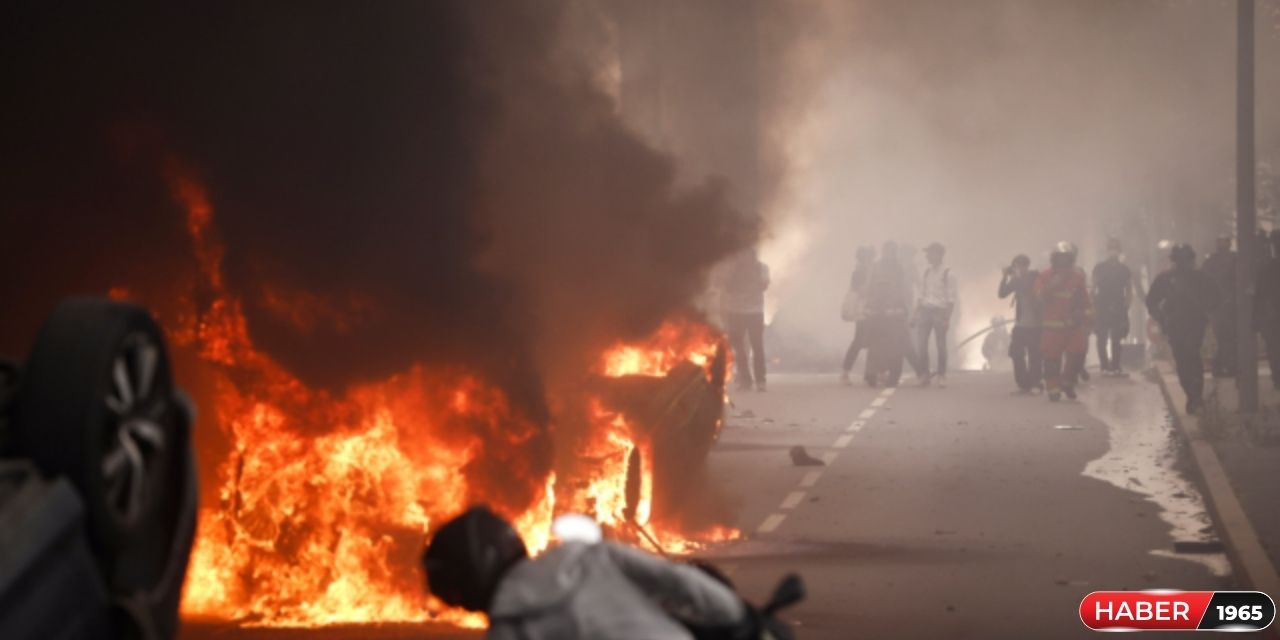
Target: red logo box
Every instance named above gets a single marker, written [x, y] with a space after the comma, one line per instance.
[1171, 610]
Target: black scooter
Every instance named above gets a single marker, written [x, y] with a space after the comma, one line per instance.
[762, 622]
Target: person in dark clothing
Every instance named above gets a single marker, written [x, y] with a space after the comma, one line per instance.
[1221, 268]
[886, 317]
[1182, 300]
[1112, 297]
[1019, 281]
[858, 284]
[1266, 306]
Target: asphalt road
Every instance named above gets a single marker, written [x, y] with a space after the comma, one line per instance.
[949, 513]
[941, 513]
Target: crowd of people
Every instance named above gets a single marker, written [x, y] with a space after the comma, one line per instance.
[896, 312]
[1187, 301]
[901, 314]
[1056, 309]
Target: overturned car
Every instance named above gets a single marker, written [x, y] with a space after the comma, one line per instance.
[97, 482]
[679, 416]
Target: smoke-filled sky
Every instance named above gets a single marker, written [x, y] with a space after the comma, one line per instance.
[512, 184]
[998, 127]
[440, 182]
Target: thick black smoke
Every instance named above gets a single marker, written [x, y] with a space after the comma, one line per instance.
[395, 182]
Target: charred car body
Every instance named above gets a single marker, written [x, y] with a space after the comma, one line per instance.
[679, 416]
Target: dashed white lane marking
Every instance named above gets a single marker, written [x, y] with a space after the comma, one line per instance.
[771, 522]
[792, 499]
[810, 478]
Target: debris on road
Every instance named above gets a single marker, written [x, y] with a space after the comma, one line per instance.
[801, 458]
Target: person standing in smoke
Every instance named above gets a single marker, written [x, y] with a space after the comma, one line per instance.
[1182, 300]
[1068, 311]
[1019, 281]
[1112, 297]
[1221, 268]
[936, 303]
[858, 284]
[744, 284]
[886, 319]
[1266, 306]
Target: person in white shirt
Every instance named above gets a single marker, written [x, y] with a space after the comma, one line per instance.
[744, 283]
[936, 302]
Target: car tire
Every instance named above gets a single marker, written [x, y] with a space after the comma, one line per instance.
[96, 404]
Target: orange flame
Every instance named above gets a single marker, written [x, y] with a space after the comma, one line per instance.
[325, 500]
[674, 342]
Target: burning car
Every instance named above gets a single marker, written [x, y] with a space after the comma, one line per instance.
[676, 417]
[97, 483]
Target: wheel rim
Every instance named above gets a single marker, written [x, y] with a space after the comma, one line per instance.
[135, 438]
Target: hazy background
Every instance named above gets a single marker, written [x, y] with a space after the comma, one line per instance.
[1001, 127]
[996, 127]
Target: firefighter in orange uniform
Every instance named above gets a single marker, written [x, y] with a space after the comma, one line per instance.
[1068, 318]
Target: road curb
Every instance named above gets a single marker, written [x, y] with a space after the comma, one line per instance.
[1248, 559]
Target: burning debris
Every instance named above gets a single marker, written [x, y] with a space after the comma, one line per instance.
[410, 258]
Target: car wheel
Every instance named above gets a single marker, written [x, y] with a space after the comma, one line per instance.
[96, 404]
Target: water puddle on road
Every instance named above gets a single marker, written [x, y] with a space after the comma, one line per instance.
[1141, 458]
